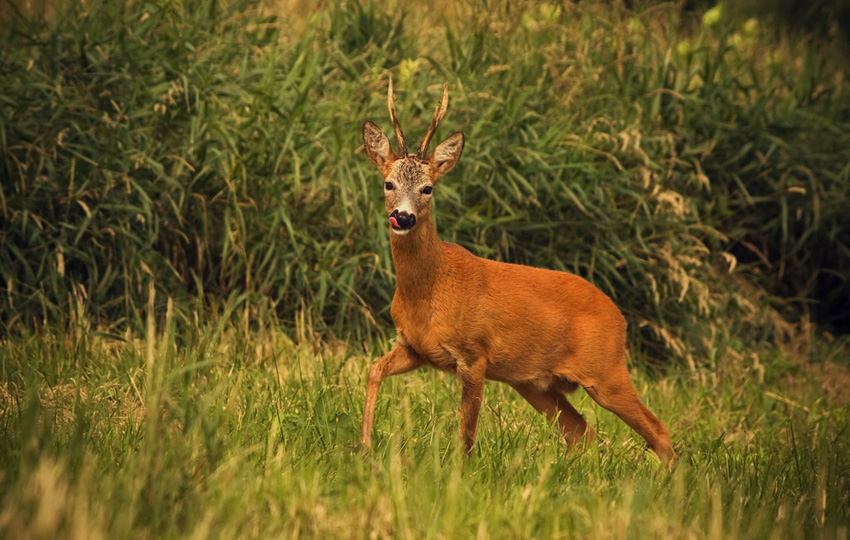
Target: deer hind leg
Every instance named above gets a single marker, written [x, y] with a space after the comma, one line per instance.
[399, 360]
[553, 403]
[616, 392]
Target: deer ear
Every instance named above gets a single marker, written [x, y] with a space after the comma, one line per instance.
[377, 145]
[446, 156]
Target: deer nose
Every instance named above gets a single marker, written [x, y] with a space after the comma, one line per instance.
[402, 221]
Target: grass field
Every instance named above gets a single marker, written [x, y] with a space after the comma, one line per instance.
[218, 433]
[196, 271]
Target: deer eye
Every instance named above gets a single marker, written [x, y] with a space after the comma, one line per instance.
[388, 186]
[427, 190]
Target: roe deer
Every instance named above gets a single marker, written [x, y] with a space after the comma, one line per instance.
[541, 331]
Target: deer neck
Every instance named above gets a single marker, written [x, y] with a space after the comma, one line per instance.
[417, 257]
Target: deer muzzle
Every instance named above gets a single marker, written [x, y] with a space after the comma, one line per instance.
[401, 222]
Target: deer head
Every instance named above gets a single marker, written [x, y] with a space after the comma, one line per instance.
[409, 179]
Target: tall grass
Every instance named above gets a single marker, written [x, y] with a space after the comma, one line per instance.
[212, 433]
[210, 149]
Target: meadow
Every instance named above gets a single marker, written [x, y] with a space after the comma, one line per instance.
[216, 433]
[197, 274]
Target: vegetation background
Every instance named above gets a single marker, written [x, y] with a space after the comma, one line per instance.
[196, 266]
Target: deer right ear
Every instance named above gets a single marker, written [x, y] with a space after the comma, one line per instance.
[377, 145]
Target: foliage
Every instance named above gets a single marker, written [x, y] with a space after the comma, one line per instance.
[824, 21]
[209, 149]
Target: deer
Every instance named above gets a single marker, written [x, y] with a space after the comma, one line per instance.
[543, 332]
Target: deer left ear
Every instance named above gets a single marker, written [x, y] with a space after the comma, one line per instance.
[377, 145]
[446, 156]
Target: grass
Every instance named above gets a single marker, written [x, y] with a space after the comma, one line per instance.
[212, 149]
[217, 433]
[196, 270]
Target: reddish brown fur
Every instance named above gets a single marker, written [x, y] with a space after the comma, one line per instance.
[541, 331]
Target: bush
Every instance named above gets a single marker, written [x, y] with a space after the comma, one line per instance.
[196, 146]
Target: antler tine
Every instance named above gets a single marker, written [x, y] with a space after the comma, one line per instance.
[402, 146]
[439, 113]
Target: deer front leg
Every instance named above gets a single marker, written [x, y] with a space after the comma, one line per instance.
[472, 377]
[400, 359]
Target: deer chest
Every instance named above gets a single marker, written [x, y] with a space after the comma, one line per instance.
[421, 330]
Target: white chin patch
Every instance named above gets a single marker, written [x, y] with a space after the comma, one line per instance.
[400, 232]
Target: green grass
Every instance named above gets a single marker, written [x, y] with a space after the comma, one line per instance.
[196, 274]
[217, 433]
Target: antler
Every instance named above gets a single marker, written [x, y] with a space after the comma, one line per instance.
[439, 113]
[402, 146]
